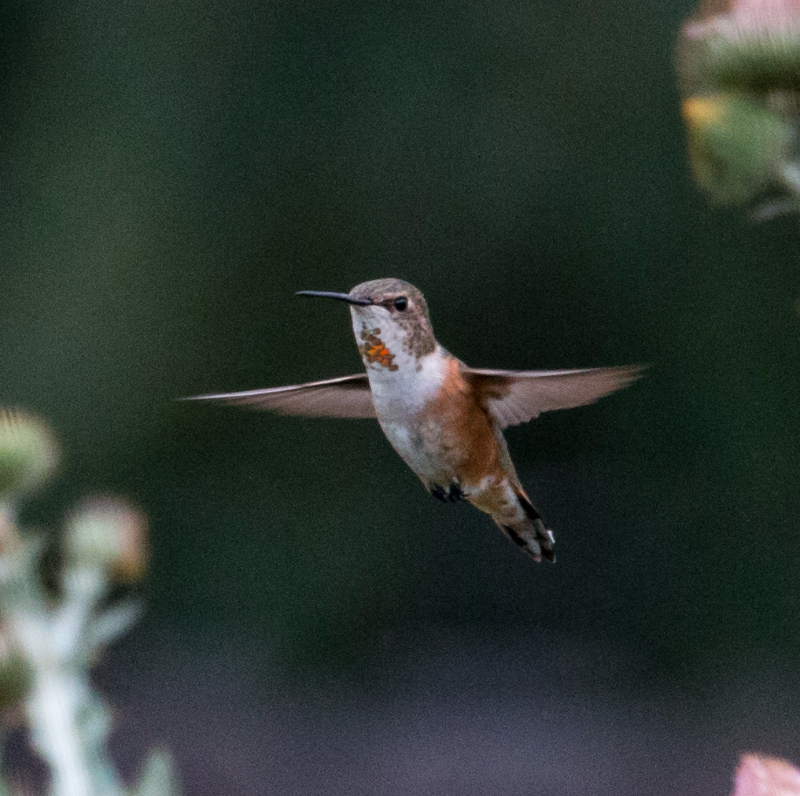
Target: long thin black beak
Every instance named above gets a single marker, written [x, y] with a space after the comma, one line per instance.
[340, 296]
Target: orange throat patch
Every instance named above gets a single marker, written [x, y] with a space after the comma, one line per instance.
[374, 350]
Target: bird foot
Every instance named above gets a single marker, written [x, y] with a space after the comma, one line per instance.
[451, 495]
[455, 494]
[438, 492]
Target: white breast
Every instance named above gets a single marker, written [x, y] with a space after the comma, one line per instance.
[408, 388]
[401, 384]
[399, 396]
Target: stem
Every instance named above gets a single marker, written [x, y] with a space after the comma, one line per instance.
[52, 710]
[69, 723]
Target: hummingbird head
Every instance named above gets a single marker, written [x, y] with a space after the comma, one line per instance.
[390, 321]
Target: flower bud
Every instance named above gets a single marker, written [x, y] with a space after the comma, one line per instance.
[28, 454]
[107, 533]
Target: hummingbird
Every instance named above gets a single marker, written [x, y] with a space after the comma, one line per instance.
[445, 419]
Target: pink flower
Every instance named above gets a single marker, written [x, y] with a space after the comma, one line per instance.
[766, 776]
[741, 18]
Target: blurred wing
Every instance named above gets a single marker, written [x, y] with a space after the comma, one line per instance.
[347, 396]
[516, 396]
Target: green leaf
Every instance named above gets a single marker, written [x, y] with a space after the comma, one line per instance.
[737, 146]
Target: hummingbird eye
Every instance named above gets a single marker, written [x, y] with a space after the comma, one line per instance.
[401, 303]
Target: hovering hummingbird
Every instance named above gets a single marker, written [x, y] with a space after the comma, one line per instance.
[444, 418]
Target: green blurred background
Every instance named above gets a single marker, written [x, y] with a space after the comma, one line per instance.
[172, 173]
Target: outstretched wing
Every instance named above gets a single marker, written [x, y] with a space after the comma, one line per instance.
[347, 396]
[516, 396]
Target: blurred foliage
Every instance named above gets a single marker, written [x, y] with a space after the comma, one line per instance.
[50, 638]
[739, 68]
[737, 147]
[173, 173]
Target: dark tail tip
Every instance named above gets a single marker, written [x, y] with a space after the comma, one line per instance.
[533, 549]
[544, 535]
[529, 508]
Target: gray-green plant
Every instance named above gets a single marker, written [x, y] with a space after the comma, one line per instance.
[50, 638]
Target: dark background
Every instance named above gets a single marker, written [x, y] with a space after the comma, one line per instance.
[172, 173]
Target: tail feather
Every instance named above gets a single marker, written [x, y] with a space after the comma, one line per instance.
[531, 534]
